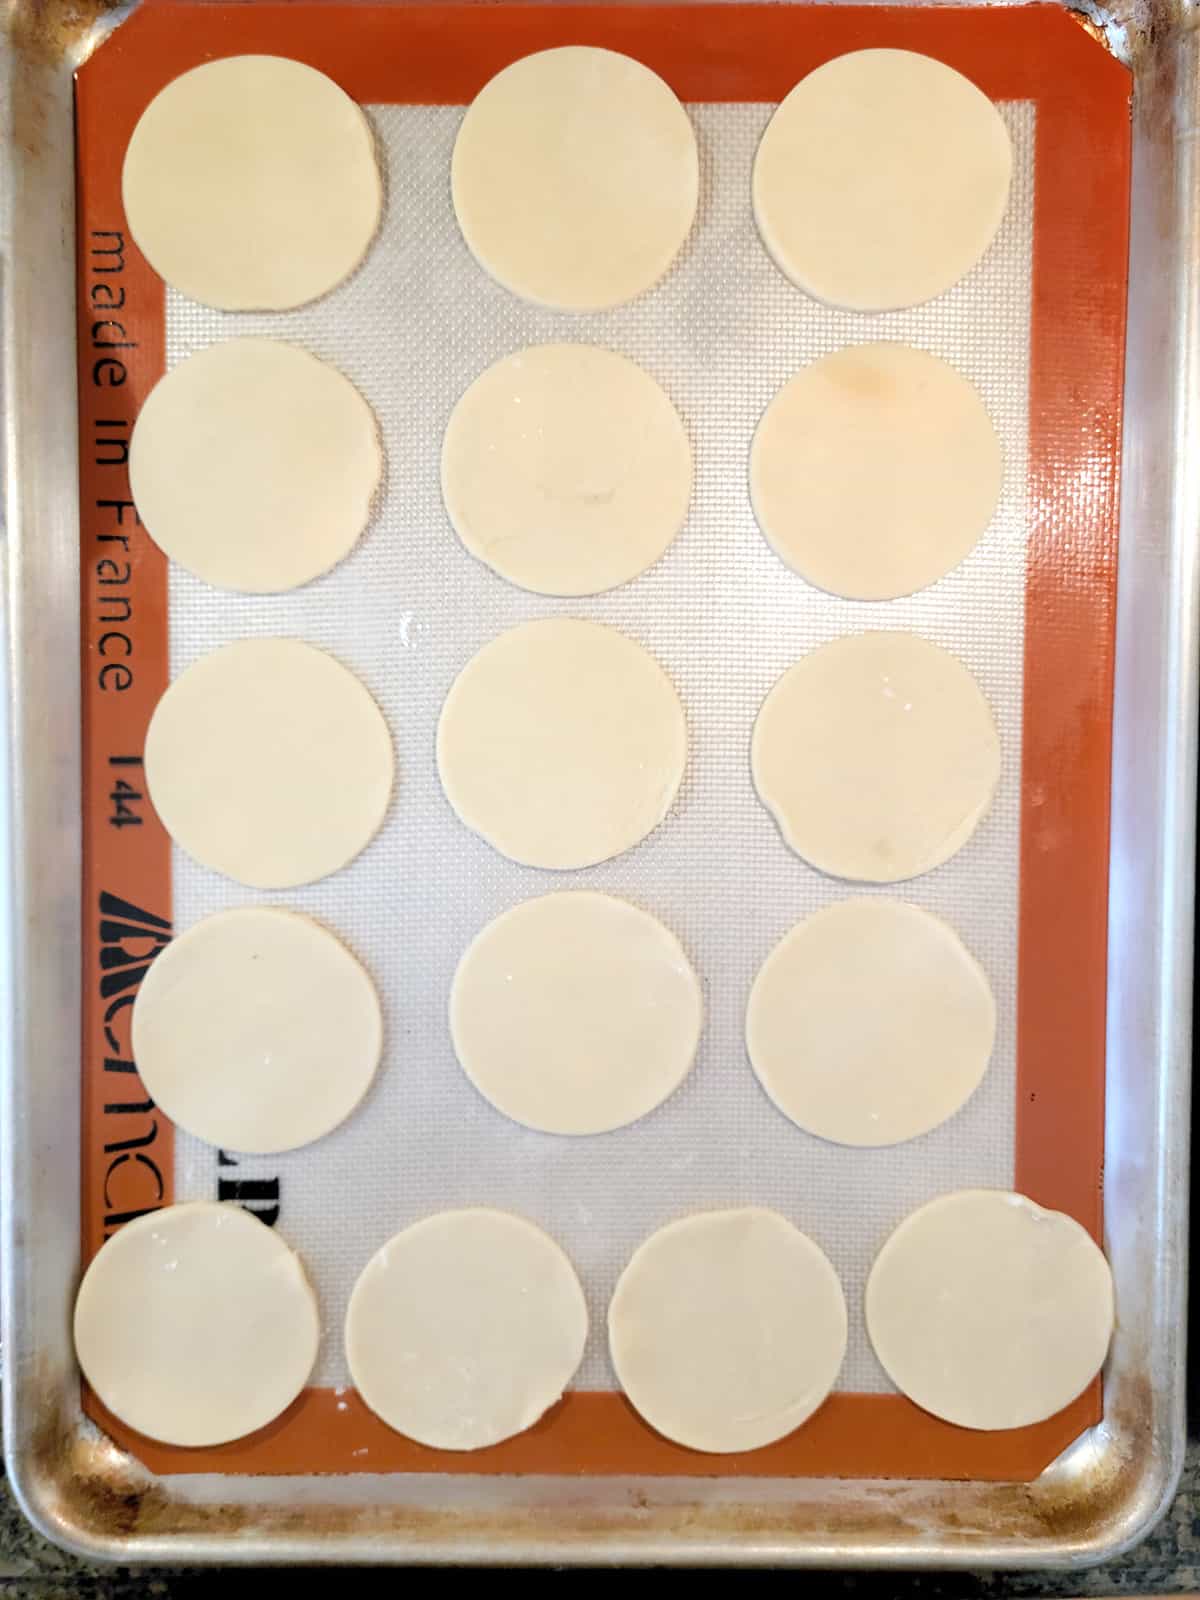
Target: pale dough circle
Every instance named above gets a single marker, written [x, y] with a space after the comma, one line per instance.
[270, 762]
[870, 1022]
[465, 1328]
[253, 464]
[575, 178]
[575, 1013]
[989, 1311]
[727, 1329]
[562, 743]
[250, 184]
[566, 468]
[881, 180]
[877, 756]
[875, 471]
[257, 1030]
[196, 1324]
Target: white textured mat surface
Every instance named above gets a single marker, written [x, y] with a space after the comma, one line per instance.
[725, 618]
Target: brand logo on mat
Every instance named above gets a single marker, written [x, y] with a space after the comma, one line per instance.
[132, 1180]
[259, 1196]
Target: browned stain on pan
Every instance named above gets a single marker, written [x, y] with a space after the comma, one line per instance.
[106, 1492]
[51, 31]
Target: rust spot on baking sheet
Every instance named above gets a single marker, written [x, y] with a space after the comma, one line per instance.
[106, 1493]
[44, 36]
[1074, 1509]
[51, 31]
[1155, 114]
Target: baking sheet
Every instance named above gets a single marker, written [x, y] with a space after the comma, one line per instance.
[725, 617]
[1058, 778]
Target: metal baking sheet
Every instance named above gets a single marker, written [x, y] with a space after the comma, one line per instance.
[1106, 1485]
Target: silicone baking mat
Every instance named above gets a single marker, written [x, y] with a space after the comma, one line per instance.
[1037, 327]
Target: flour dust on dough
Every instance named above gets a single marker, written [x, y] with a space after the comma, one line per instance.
[575, 1013]
[566, 469]
[575, 178]
[727, 1329]
[989, 1311]
[250, 184]
[465, 1328]
[269, 761]
[881, 180]
[287, 1052]
[877, 755]
[562, 743]
[870, 1022]
[196, 1324]
[253, 464]
[875, 471]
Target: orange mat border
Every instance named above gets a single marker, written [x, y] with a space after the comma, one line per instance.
[726, 52]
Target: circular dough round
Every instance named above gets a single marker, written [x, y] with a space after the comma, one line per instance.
[881, 180]
[261, 234]
[877, 756]
[196, 1324]
[562, 742]
[727, 1329]
[870, 1023]
[989, 1311]
[270, 762]
[465, 1328]
[575, 178]
[287, 1050]
[567, 469]
[875, 471]
[575, 1013]
[253, 465]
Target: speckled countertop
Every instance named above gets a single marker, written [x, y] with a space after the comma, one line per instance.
[1167, 1563]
